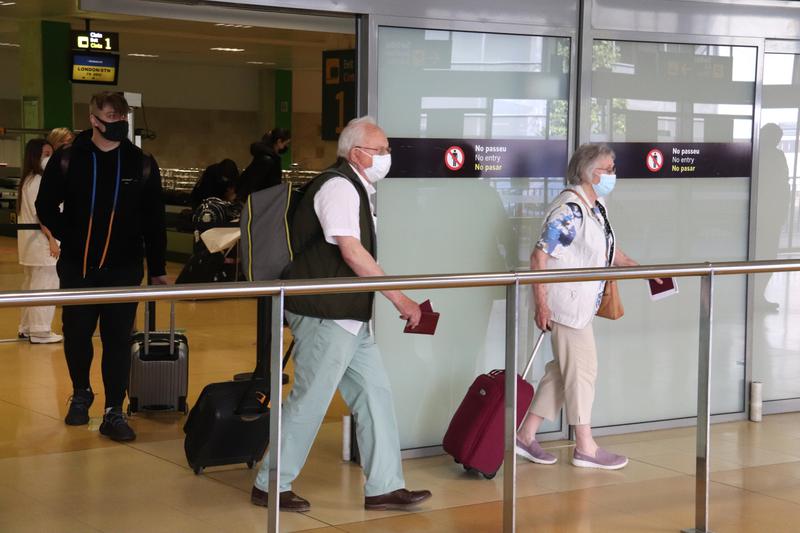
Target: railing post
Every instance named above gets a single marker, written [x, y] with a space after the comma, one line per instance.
[702, 478]
[509, 456]
[275, 386]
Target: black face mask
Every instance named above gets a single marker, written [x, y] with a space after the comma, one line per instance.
[115, 131]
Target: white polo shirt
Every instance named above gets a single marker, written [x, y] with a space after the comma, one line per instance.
[337, 206]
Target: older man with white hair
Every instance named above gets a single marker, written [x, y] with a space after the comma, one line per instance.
[333, 235]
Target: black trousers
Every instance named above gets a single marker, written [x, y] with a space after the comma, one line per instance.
[116, 325]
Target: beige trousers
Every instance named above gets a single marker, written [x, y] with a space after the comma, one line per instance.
[38, 319]
[570, 377]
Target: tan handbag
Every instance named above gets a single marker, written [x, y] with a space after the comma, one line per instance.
[611, 304]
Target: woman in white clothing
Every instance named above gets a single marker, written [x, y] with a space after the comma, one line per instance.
[576, 234]
[38, 250]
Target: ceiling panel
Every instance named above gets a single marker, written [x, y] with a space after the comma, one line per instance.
[187, 41]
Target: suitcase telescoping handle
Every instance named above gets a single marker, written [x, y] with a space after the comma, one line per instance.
[171, 327]
[533, 354]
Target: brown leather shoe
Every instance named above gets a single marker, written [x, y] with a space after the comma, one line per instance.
[289, 501]
[399, 499]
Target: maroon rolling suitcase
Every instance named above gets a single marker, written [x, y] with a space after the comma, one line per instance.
[475, 435]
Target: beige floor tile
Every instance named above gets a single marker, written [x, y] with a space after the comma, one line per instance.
[43, 521]
[686, 463]
[663, 434]
[754, 457]
[761, 478]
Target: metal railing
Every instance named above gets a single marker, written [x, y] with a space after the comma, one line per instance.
[278, 290]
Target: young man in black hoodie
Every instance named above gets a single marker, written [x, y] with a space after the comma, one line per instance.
[112, 218]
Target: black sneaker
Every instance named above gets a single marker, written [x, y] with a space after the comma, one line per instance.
[79, 403]
[115, 426]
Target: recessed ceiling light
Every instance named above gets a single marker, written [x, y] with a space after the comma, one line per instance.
[15, 45]
[7, 4]
[223, 25]
[260, 63]
[143, 55]
[223, 49]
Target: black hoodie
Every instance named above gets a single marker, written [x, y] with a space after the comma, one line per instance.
[137, 229]
[262, 172]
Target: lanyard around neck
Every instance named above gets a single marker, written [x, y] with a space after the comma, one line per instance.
[91, 211]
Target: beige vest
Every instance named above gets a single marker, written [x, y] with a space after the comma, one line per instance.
[575, 304]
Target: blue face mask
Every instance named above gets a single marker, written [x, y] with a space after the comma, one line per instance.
[606, 185]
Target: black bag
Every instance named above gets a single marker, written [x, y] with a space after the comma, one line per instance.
[204, 267]
[229, 424]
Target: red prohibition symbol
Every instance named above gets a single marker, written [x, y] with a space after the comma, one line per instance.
[454, 158]
[655, 160]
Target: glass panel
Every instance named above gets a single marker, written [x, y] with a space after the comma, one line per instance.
[648, 92]
[440, 84]
[775, 345]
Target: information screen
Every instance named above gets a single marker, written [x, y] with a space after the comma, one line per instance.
[95, 68]
[95, 41]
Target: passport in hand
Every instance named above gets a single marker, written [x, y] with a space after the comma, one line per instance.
[428, 321]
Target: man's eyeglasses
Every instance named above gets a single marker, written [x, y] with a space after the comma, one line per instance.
[379, 151]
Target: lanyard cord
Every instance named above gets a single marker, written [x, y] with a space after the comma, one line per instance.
[91, 211]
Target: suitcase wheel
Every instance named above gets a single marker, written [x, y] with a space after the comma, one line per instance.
[250, 464]
[489, 476]
[182, 405]
[197, 470]
[469, 469]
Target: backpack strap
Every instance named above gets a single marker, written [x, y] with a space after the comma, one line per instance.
[147, 163]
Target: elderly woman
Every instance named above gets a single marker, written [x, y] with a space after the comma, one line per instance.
[576, 234]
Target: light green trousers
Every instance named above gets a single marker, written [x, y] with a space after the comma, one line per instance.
[326, 357]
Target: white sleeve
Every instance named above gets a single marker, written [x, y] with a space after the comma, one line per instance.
[337, 207]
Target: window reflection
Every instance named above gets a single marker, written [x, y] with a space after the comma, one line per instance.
[671, 92]
[441, 84]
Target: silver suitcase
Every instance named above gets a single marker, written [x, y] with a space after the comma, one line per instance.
[159, 369]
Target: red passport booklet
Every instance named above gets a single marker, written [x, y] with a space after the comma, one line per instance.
[427, 324]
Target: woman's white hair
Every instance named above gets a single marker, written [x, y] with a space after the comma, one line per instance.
[584, 161]
[353, 134]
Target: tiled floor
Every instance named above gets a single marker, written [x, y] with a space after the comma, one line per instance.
[55, 478]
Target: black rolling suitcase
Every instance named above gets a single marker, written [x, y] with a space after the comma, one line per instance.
[159, 375]
[229, 423]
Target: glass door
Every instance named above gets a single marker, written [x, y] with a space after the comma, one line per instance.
[677, 115]
[502, 100]
[776, 342]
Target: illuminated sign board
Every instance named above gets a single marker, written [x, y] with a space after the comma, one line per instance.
[95, 68]
[95, 41]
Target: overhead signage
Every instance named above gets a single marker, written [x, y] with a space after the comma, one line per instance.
[95, 68]
[338, 91]
[95, 41]
[477, 158]
[683, 160]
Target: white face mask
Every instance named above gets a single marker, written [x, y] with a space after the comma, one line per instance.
[44, 162]
[379, 169]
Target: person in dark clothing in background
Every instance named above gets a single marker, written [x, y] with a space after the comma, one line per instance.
[265, 168]
[263, 171]
[217, 181]
[113, 217]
